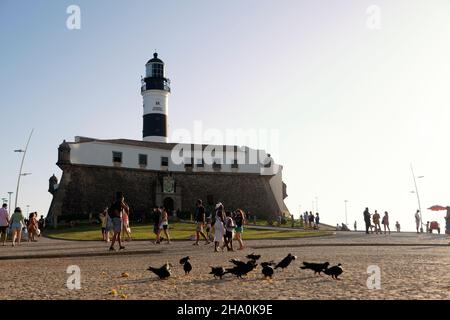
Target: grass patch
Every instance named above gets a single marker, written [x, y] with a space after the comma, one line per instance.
[178, 231]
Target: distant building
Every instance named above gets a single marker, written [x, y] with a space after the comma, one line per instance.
[154, 172]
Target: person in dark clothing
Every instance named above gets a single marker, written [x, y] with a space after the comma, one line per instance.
[41, 223]
[156, 229]
[367, 219]
[200, 218]
[115, 212]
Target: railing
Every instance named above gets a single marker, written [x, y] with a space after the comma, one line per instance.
[155, 84]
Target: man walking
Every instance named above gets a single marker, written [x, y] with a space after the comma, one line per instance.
[200, 218]
[376, 221]
[4, 222]
[367, 219]
[417, 217]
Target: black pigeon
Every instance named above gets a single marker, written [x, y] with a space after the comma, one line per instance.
[267, 269]
[217, 272]
[238, 262]
[268, 263]
[316, 267]
[163, 272]
[334, 271]
[253, 256]
[285, 262]
[242, 269]
[187, 267]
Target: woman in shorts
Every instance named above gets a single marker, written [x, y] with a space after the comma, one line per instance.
[164, 225]
[240, 221]
[126, 225]
[17, 221]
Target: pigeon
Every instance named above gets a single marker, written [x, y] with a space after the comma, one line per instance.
[217, 272]
[316, 267]
[238, 262]
[163, 272]
[242, 269]
[268, 263]
[254, 256]
[334, 271]
[267, 269]
[285, 262]
[187, 267]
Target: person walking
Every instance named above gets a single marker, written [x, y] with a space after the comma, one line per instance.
[366, 214]
[354, 226]
[4, 222]
[41, 223]
[126, 225]
[317, 220]
[417, 217]
[200, 217]
[156, 221]
[311, 220]
[32, 227]
[115, 212]
[219, 229]
[376, 221]
[386, 222]
[17, 221]
[103, 222]
[397, 226]
[240, 221]
[229, 228]
[164, 224]
[305, 218]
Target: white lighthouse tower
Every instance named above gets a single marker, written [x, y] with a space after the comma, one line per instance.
[155, 91]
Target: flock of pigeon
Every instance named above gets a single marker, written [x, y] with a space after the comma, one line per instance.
[241, 268]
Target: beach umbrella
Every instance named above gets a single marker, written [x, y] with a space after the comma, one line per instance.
[437, 208]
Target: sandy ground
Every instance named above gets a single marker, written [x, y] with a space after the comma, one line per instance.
[407, 272]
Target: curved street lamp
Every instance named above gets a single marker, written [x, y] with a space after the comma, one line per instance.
[21, 166]
[418, 198]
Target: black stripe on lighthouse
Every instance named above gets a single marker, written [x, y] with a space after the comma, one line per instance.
[155, 124]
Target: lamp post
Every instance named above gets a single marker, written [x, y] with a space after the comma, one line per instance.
[418, 198]
[9, 202]
[21, 166]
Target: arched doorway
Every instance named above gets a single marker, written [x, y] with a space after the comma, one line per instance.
[168, 204]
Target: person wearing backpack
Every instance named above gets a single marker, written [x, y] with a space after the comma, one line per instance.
[229, 227]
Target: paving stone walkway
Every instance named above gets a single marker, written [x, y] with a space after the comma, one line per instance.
[412, 267]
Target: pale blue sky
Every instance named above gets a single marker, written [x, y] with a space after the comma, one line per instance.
[353, 106]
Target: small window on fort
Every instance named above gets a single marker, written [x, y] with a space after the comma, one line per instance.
[165, 161]
[188, 162]
[117, 156]
[200, 163]
[143, 160]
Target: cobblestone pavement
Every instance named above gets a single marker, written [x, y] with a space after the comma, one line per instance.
[412, 267]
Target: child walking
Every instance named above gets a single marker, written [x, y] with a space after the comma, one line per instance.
[229, 228]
